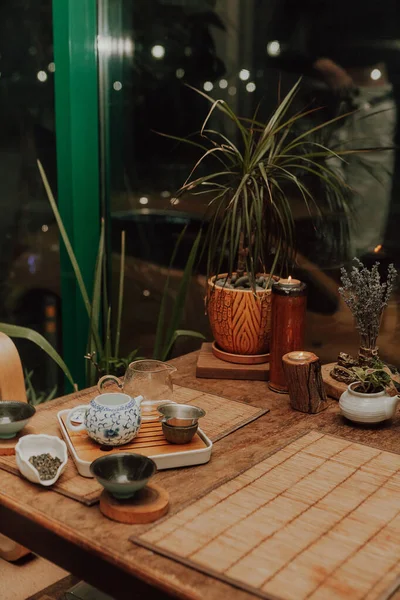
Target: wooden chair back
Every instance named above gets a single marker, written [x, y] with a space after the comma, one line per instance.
[12, 382]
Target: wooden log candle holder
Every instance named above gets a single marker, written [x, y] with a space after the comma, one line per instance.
[287, 328]
[304, 381]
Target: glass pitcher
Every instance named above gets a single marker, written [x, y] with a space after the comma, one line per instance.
[148, 378]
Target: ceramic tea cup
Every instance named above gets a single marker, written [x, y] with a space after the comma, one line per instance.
[123, 474]
[13, 417]
[111, 419]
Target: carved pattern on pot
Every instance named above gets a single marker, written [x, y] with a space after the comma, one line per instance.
[240, 322]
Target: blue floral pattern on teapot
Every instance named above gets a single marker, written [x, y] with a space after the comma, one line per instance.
[111, 419]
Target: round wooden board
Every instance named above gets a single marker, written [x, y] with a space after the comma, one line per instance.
[148, 505]
[333, 388]
[239, 359]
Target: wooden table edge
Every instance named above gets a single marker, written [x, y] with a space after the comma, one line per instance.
[113, 567]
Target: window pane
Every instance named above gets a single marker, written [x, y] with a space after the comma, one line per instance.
[248, 53]
[29, 247]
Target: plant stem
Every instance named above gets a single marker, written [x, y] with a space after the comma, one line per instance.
[120, 295]
[241, 266]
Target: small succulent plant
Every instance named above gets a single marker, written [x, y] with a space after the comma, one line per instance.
[371, 380]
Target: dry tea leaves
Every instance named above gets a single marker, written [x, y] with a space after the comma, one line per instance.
[46, 465]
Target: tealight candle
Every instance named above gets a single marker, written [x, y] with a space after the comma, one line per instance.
[288, 281]
[300, 355]
[287, 327]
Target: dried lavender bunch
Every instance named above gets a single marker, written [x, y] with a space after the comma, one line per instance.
[367, 297]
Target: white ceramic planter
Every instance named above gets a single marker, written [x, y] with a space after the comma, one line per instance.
[367, 408]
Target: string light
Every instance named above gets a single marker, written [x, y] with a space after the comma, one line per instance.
[251, 86]
[158, 51]
[376, 74]
[273, 48]
[244, 74]
[42, 76]
[109, 45]
[223, 84]
[208, 86]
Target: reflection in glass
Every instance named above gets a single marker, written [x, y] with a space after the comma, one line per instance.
[246, 52]
[29, 248]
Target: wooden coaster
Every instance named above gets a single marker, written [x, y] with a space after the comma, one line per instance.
[7, 447]
[333, 388]
[239, 359]
[212, 367]
[147, 505]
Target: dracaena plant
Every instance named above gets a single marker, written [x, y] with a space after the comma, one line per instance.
[250, 208]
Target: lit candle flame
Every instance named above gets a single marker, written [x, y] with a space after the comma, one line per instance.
[300, 355]
[289, 279]
[378, 248]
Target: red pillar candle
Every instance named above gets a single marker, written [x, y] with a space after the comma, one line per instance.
[289, 298]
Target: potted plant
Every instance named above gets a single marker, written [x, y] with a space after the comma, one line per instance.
[372, 396]
[251, 219]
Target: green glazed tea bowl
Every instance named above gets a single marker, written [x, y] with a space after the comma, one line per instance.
[123, 474]
[13, 417]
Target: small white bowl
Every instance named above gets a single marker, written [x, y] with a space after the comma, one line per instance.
[33, 445]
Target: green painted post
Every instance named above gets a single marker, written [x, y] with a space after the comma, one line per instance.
[76, 102]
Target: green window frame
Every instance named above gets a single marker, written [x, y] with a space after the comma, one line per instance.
[77, 142]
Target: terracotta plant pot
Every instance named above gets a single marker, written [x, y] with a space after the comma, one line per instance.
[240, 321]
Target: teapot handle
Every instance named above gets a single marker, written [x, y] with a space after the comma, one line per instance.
[83, 408]
[105, 378]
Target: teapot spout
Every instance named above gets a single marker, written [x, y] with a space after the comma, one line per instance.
[391, 403]
[139, 400]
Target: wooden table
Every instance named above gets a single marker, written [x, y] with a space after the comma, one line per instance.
[81, 540]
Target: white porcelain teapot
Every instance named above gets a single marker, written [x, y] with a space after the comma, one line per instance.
[111, 419]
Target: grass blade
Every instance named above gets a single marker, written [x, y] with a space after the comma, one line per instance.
[120, 294]
[181, 333]
[68, 247]
[95, 309]
[181, 297]
[161, 315]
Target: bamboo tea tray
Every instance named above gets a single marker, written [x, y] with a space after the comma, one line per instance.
[318, 519]
[150, 442]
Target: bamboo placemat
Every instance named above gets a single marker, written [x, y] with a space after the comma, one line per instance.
[223, 417]
[318, 519]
